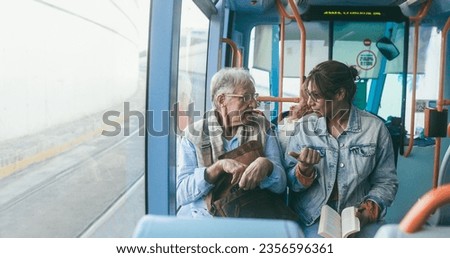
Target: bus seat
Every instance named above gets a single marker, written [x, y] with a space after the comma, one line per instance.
[413, 224]
[158, 226]
[442, 214]
[444, 178]
[393, 231]
[394, 125]
[280, 117]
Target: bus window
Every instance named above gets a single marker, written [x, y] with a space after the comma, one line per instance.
[192, 62]
[72, 83]
[264, 56]
[191, 88]
[426, 81]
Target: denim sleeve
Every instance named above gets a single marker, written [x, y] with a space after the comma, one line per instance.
[191, 183]
[383, 178]
[290, 163]
[276, 182]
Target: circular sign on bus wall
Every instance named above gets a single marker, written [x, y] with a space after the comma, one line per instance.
[366, 60]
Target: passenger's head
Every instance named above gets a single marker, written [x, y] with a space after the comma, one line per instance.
[299, 110]
[331, 81]
[233, 95]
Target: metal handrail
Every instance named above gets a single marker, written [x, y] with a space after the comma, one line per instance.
[302, 29]
[416, 19]
[237, 55]
[283, 16]
[278, 99]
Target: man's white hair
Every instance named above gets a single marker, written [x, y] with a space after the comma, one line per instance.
[227, 79]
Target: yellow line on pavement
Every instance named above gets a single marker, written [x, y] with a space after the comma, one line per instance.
[51, 152]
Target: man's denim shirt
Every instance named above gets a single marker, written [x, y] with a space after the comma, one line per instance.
[192, 186]
[362, 159]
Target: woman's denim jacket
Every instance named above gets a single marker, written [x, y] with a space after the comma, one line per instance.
[362, 159]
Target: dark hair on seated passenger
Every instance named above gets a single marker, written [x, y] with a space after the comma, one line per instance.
[331, 76]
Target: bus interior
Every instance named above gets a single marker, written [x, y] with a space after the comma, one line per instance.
[96, 95]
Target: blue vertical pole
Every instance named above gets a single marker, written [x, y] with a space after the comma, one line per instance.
[274, 74]
[376, 89]
[377, 85]
[161, 94]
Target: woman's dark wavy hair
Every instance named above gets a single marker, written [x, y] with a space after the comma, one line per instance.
[330, 76]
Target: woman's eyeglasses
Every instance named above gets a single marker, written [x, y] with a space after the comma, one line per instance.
[314, 96]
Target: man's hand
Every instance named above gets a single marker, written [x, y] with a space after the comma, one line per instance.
[230, 166]
[255, 173]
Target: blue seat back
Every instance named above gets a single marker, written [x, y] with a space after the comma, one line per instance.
[156, 226]
[444, 178]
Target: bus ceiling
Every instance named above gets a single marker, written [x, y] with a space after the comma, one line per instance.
[311, 8]
[381, 26]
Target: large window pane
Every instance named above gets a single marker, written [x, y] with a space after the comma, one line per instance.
[192, 65]
[72, 87]
[192, 62]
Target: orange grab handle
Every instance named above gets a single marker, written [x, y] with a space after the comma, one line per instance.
[278, 99]
[237, 55]
[424, 207]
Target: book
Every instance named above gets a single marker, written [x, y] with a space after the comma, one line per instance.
[339, 226]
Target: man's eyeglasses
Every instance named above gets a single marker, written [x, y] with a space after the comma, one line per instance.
[314, 96]
[245, 97]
